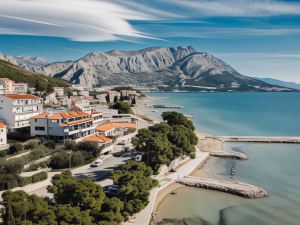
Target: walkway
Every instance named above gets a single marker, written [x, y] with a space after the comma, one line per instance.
[143, 218]
[260, 139]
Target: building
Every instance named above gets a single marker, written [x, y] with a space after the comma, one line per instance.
[8, 86]
[113, 96]
[64, 126]
[116, 129]
[105, 143]
[3, 136]
[20, 88]
[59, 91]
[128, 93]
[17, 109]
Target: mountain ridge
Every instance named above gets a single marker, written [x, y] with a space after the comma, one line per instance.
[181, 67]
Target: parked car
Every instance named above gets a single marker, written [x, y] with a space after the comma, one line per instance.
[122, 142]
[113, 190]
[97, 163]
[137, 156]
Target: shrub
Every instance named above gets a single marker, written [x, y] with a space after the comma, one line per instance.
[89, 147]
[39, 177]
[36, 166]
[122, 107]
[193, 155]
[50, 144]
[77, 159]
[36, 154]
[70, 145]
[60, 160]
[16, 148]
[12, 167]
[32, 144]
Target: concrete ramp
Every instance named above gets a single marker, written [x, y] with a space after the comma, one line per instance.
[233, 187]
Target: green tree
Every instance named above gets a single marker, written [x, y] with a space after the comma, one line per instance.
[41, 85]
[60, 160]
[175, 118]
[84, 194]
[122, 107]
[134, 179]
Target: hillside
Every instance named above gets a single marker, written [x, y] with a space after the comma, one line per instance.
[280, 83]
[42, 82]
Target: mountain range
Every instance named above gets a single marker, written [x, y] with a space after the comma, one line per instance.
[181, 68]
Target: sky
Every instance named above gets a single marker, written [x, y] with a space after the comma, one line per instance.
[259, 38]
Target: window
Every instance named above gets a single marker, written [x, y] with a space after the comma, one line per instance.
[35, 120]
[40, 128]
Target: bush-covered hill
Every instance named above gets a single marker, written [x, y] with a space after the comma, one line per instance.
[39, 81]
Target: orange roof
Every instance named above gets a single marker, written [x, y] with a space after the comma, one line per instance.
[62, 115]
[95, 113]
[21, 96]
[77, 122]
[42, 115]
[2, 125]
[105, 127]
[97, 138]
[110, 126]
[124, 125]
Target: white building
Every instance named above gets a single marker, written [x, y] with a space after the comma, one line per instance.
[65, 126]
[17, 109]
[3, 136]
[8, 86]
[59, 91]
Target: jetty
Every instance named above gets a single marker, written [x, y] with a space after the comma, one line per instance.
[260, 139]
[163, 106]
[233, 187]
[229, 154]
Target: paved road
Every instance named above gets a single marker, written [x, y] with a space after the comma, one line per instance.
[102, 171]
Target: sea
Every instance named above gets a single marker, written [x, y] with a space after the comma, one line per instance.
[274, 167]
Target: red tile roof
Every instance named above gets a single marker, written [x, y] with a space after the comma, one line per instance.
[97, 138]
[21, 96]
[2, 125]
[110, 126]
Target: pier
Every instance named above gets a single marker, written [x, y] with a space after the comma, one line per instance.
[233, 187]
[260, 139]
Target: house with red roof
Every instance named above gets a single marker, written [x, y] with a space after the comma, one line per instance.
[65, 126]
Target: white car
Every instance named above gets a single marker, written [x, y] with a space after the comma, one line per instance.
[97, 163]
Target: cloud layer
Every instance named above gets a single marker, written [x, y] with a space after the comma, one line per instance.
[103, 20]
[79, 20]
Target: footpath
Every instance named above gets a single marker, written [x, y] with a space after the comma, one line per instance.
[144, 217]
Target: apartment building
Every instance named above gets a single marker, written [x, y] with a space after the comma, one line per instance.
[65, 126]
[3, 136]
[17, 109]
[8, 86]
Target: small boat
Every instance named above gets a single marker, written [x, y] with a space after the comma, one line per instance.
[232, 171]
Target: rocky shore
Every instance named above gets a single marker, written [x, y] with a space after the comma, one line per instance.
[233, 187]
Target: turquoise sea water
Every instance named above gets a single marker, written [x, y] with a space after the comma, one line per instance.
[274, 167]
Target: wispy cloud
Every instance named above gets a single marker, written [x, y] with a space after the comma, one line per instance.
[110, 20]
[238, 8]
[80, 20]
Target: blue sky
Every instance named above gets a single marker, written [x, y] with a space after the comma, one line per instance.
[257, 37]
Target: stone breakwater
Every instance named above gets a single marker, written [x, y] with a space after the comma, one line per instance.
[260, 139]
[229, 154]
[233, 187]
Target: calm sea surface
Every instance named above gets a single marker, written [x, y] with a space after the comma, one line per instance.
[274, 167]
